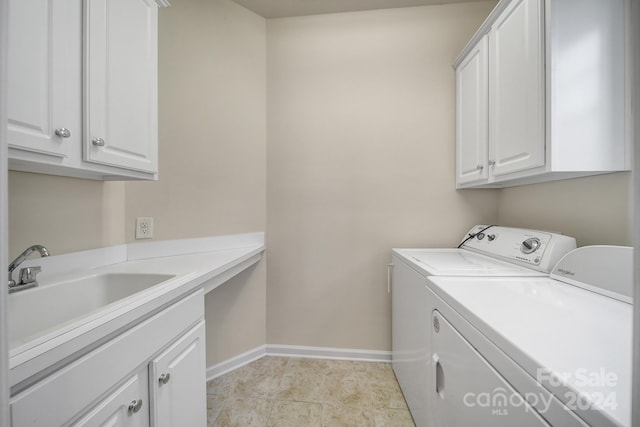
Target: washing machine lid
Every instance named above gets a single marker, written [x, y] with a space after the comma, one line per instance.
[461, 262]
[577, 343]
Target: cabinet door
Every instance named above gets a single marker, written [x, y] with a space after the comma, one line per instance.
[121, 83]
[44, 77]
[516, 89]
[128, 406]
[178, 382]
[472, 116]
[411, 357]
[468, 390]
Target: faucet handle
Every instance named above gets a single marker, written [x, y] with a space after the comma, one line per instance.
[28, 275]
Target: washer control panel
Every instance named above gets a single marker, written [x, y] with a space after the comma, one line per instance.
[536, 249]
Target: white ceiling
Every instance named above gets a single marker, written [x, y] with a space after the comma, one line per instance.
[284, 8]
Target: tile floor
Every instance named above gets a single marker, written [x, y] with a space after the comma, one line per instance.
[297, 392]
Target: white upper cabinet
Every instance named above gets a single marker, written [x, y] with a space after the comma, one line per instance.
[556, 105]
[120, 83]
[472, 109]
[43, 95]
[82, 88]
[516, 88]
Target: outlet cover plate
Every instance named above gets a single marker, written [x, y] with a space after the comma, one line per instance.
[144, 228]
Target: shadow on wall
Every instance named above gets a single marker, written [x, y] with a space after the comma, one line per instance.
[236, 315]
[596, 210]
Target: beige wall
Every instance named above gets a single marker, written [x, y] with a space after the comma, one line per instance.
[212, 127]
[212, 124]
[236, 315]
[64, 214]
[360, 160]
[595, 210]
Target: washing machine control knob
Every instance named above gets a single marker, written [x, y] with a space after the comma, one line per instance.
[530, 245]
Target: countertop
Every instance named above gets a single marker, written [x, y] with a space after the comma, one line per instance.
[194, 263]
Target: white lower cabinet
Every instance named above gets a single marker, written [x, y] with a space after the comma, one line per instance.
[125, 407]
[162, 395]
[152, 374]
[175, 374]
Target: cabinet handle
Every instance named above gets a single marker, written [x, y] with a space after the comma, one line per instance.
[492, 162]
[135, 406]
[63, 133]
[98, 142]
[389, 269]
[164, 378]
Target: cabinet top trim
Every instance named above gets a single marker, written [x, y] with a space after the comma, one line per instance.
[482, 31]
[163, 3]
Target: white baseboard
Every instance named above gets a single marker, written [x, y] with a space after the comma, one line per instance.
[329, 353]
[236, 362]
[296, 351]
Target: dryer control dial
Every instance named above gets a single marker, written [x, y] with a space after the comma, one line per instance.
[530, 245]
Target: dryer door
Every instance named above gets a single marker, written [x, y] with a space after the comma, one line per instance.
[468, 391]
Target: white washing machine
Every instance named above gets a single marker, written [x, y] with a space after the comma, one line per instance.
[486, 251]
[561, 344]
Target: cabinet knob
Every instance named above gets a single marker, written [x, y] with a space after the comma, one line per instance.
[135, 406]
[63, 133]
[164, 378]
[479, 167]
[98, 142]
[492, 162]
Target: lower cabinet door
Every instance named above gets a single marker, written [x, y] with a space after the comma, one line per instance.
[468, 391]
[128, 406]
[178, 382]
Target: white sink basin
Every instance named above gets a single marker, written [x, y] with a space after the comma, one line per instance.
[35, 312]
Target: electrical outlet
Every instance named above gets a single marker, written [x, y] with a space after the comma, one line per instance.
[144, 228]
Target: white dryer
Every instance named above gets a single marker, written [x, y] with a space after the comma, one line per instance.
[486, 251]
[546, 351]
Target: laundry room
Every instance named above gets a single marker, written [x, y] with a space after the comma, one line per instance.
[327, 131]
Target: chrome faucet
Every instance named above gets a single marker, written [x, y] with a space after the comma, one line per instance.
[27, 276]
